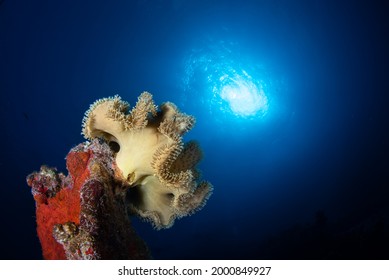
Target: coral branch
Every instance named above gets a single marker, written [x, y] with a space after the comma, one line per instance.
[138, 117]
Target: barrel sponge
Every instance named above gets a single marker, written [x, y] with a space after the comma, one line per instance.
[152, 161]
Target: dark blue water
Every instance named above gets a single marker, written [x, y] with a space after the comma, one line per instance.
[291, 101]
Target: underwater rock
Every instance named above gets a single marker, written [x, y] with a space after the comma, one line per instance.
[83, 215]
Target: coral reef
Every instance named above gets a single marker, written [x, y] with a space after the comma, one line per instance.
[134, 163]
[83, 215]
[152, 160]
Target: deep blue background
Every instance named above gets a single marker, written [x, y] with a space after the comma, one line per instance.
[311, 181]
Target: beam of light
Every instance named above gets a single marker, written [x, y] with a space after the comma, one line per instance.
[225, 83]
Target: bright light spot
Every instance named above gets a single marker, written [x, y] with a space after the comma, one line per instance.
[230, 86]
[244, 98]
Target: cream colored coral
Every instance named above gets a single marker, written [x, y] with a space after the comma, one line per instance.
[152, 158]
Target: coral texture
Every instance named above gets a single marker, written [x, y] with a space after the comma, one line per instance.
[135, 163]
[157, 167]
[83, 215]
